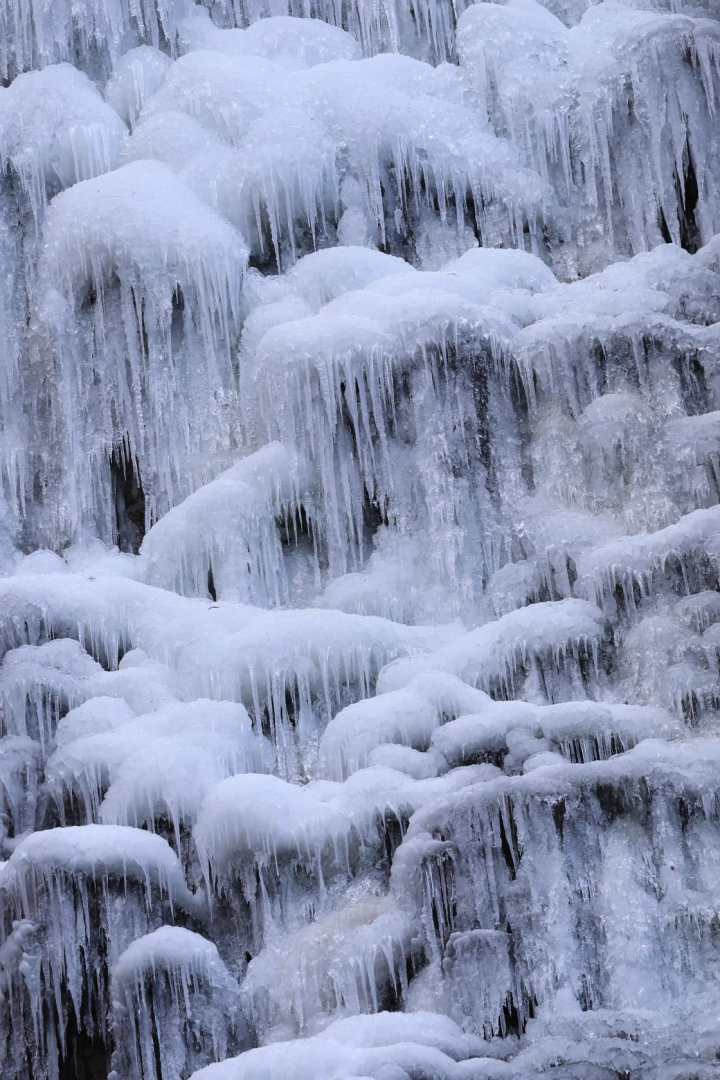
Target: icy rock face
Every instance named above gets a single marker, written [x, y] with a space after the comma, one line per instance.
[93, 890]
[504, 903]
[359, 539]
[176, 1005]
[95, 33]
[56, 130]
[597, 87]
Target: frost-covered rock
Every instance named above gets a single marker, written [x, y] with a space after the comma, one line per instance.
[588, 107]
[359, 580]
[494, 887]
[226, 533]
[93, 889]
[176, 1004]
[34, 35]
[56, 130]
[353, 960]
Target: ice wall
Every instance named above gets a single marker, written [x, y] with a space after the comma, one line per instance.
[359, 539]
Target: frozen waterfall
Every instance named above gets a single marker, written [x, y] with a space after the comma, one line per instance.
[360, 540]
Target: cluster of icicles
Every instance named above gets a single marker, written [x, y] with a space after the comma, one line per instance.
[359, 539]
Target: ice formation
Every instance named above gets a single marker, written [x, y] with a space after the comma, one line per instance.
[359, 539]
[176, 1005]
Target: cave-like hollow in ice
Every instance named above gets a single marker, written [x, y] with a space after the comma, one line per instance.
[359, 540]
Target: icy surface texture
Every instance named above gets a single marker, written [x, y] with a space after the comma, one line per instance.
[359, 539]
[588, 105]
[175, 1003]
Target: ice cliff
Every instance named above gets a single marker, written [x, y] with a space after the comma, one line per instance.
[359, 540]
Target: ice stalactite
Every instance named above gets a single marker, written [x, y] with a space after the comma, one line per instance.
[359, 559]
[355, 959]
[227, 531]
[528, 853]
[93, 890]
[34, 35]
[176, 1006]
[587, 105]
[19, 774]
[131, 275]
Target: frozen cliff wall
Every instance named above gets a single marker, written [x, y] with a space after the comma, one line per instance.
[359, 539]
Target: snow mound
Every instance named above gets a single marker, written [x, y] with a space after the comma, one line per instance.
[230, 524]
[422, 1044]
[294, 43]
[143, 224]
[492, 654]
[55, 130]
[97, 851]
[180, 976]
[137, 75]
[157, 766]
